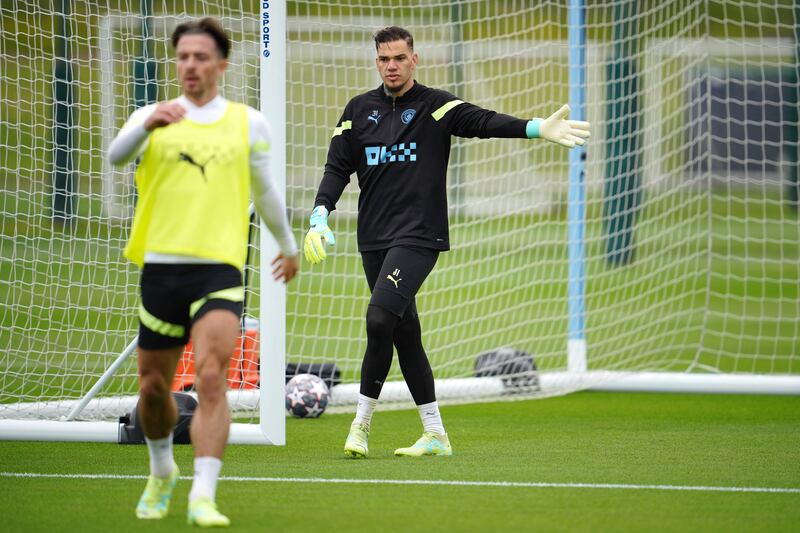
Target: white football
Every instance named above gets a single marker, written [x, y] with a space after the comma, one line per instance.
[306, 396]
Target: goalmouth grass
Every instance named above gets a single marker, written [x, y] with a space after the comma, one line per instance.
[585, 462]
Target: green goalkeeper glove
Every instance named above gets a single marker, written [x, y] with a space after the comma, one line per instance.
[556, 128]
[318, 236]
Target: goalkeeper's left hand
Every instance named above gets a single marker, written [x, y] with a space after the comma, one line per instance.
[318, 236]
[556, 128]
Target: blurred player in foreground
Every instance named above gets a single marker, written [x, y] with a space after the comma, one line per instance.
[200, 158]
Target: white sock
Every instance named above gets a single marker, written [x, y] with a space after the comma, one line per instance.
[206, 473]
[431, 419]
[366, 406]
[161, 461]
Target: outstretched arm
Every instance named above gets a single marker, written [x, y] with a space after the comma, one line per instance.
[468, 120]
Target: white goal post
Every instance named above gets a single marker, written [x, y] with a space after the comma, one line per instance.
[689, 262]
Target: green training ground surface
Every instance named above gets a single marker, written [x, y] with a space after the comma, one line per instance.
[584, 462]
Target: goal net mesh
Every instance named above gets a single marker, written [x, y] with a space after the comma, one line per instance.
[691, 231]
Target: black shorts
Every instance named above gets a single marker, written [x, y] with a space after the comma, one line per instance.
[175, 296]
[396, 274]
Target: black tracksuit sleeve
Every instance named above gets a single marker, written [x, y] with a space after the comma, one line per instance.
[469, 120]
[340, 164]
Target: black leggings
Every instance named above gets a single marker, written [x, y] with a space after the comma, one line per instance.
[394, 277]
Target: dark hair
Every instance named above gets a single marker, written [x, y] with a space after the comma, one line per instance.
[393, 33]
[206, 25]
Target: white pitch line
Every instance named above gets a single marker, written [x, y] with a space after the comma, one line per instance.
[515, 484]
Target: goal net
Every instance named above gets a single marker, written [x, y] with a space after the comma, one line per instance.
[686, 262]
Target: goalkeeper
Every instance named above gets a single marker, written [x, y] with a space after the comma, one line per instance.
[396, 138]
[200, 156]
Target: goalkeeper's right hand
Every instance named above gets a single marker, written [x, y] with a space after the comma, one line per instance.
[319, 235]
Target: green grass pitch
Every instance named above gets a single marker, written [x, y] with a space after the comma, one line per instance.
[584, 462]
[646, 462]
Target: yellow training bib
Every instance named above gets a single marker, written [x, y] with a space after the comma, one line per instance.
[194, 191]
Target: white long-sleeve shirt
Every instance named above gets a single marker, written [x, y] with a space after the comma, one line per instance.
[132, 139]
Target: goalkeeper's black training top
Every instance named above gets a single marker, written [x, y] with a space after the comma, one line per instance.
[399, 149]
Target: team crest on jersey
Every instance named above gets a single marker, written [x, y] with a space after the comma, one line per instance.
[375, 117]
[407, 115]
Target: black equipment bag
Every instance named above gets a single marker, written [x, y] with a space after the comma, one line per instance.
[329, 372]
[130, 428]
[516, 367]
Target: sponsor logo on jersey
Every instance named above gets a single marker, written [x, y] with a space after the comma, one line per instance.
[377, 155]
[183, 156]
[375, 117]
[407, 115]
